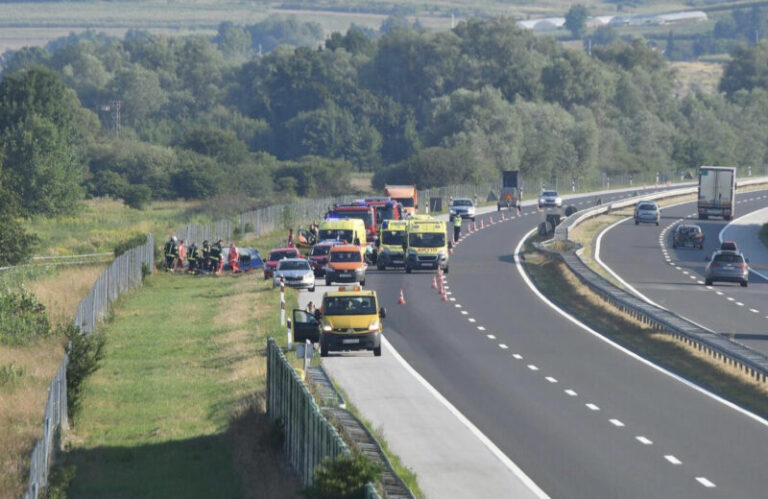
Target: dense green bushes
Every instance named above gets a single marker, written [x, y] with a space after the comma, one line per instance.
[22, 317]
[344, 477]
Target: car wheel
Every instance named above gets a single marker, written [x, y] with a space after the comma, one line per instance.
[323, 350]
[380, 265]
[377, 352]
[327, 282]
[657, 224]
[362, 283]
[312, 289]
[744, 284]
[445, 270]
[708, 282]
[498, 208]
[407, 269]
[637, 223]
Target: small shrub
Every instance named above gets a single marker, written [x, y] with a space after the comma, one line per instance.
[10, 374]
[344, 477]
[22, 317]
[58, 482]
[137, 196]
[129, 244]
[85, 352]
[248, 227]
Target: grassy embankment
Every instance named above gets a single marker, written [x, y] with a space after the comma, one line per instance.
[562, 287]
[177, 407]
[26, 370]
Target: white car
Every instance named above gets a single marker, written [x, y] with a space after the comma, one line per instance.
[550, 198]
[464, 207]
[296, 273]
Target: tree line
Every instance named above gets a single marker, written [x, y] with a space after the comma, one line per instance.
[204, 117]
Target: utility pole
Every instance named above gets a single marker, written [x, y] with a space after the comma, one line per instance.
[113, 107]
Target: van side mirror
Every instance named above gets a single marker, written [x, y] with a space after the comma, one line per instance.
[382, 312]
[377, 242]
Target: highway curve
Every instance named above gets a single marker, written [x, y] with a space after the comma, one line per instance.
[579, 416]
[636, 254]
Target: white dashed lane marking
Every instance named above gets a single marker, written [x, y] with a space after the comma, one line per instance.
[457, 305]
[672, 459]
[503, 346]
[703, 480]
[464, 312]
[517, 356]
[571, 392]
[471, 319]
[754, 310]
[480, 328]
[551, 379]
[643, 440]
[617, 423]
[592, 407]
[490, 336]
[532, 367]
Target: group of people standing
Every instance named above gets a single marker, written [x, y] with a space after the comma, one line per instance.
[207, 259]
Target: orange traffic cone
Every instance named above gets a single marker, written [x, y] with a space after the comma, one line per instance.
[482, 224]
[518, 212]
[474, 226]
[401, 300]
[442, 289]
[434, 282]
[445, 296]
[502, 216]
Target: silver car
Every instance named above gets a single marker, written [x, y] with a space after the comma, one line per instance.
[647, 212]
[464, 207]
[727, 266]
[296, 273]
[550, 198]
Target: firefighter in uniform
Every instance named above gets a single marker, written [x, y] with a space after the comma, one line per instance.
[193, 256]
[205, 262]
[171, 252]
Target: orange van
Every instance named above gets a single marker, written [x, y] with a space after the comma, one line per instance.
[346, 263]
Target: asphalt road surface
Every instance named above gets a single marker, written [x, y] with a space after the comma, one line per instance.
[579, 416]
[674, 278]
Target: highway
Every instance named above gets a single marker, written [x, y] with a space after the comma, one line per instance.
[578, 415]
[675, 280]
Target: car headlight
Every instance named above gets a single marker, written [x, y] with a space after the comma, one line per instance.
[441, 253]
[373, 326]
[327, 328]
[411, 252]
[308, 277]
[558, 200]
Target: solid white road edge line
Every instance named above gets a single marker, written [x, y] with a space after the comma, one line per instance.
[615, 345]
[506, 461]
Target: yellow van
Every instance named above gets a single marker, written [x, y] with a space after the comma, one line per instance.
[349, 230]
[426, 246]
[350, 319]
[389, 245]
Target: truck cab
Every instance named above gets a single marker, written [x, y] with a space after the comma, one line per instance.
[350, 319]
[426, 245]
[406, 195]
[360, 211]
[389, 245]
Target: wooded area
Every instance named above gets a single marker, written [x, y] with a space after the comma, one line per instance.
[203, 117]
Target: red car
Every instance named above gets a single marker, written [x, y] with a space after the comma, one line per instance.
[275, 256]
[318, 256]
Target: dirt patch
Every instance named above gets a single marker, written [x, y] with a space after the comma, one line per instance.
[256, 442]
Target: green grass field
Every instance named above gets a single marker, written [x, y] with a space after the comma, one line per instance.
[102, 223]
[177, 407]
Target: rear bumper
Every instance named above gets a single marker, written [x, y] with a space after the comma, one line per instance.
[728, 277]
[416, 262]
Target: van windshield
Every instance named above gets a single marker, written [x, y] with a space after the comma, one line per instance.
[349, 305]
[279, 255]
[346, 256]
[427, 240]
[320, 250]
[288, 265]
[407, 202]
[385, 212]
[393, 237]
[337, 234]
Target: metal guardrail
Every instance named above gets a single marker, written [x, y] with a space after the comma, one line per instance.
[124, 273]
[747, 360]
[309, 437]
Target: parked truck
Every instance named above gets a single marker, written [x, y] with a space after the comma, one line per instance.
[717, 192]
[509, 197]
[406, 195]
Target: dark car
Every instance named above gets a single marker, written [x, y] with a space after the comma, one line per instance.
[727, 266]
[688, 235]
[318, 256]
[729, 246]
[275, 256]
